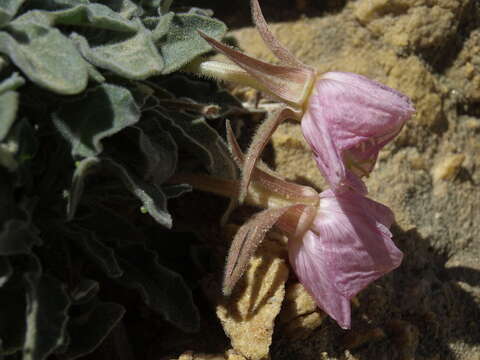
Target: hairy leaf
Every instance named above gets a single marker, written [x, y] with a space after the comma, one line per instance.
[54, 4]
[94, 16]
[9, 209]
[108, 224]
[84, 291]
[126, 8]
[100, 254]
[34, 48]
[154, 4]
[134, 57]
[103, 112]
[17, 237]
[153, 199]
[19, 146]
[11, 83]
[13, 302]
[6, 270]
[164, 6]
[159, 150]
[89, 330]
[194, 134]
[47, 305]
[182, 42]
[49, 287]
[82, 169]
[8, 9]
[173, 191]
[12, 315]
[162, 26]
[162, 289]
[8, 111]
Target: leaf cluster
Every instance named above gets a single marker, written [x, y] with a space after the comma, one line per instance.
[94, 119]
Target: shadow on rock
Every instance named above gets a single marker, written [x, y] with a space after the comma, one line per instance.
[417, 311]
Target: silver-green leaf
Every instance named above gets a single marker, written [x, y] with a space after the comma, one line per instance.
[182, 42]
[89, 330]
[82, 169]
[103, 112]
[152, 197]
[17, 237]
[8, 112]
[135, 57]
[6, 270]
[8, 9]
[46, 57]
[13, 82]
[46, 319]
[162, 289]
[100, 254]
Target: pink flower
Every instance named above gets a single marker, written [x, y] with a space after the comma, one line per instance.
[347, 246]
[339, 242]
[345, 117]
[349, 118]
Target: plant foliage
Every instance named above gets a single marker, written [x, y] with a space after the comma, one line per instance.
[92, 123]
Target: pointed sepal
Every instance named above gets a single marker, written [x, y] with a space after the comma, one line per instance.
[289, 84]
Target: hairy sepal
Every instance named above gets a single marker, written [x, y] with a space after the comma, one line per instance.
[290, 84]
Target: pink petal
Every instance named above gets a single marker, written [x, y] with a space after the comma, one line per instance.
[347, 247]
[348, 120]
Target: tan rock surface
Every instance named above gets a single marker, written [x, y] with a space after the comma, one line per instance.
[248, 315]
[413, 24]
[465, 72]
[229, 355]
[300, 315]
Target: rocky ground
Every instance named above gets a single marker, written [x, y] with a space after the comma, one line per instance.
[429, 308]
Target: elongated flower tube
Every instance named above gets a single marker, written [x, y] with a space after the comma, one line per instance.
[346, 118]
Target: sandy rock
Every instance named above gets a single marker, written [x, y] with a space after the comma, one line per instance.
[303, 326]
[297, 302]
[229, 355]
[448, 168]
[405, 336]
[464, 74]
[295, 150]
[360, 337]
[190, 355]
[248, 316]
[413, 24]
[300, 314]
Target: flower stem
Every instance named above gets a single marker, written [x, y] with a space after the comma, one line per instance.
[224, 71]
[257, 195]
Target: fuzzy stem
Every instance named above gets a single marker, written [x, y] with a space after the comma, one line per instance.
[224, 71]
[257, 195]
